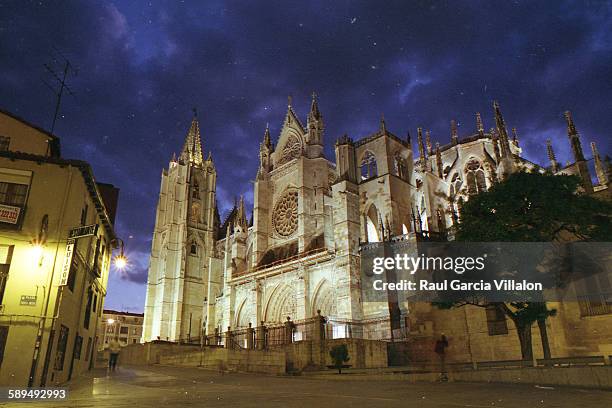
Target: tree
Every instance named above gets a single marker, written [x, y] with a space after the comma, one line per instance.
[531, 207]
[339, 355]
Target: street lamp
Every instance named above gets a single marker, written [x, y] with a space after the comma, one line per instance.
[121, 260]
[38, 244]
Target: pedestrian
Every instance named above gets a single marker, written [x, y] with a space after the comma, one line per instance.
[114, 348]
[440, 349]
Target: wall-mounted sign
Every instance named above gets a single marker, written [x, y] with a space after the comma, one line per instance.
[84, 231]
[27, 300]
[67, 262]
[9, 213]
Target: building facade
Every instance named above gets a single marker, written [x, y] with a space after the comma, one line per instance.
[56, 238]
[300, 253]
[125, 326]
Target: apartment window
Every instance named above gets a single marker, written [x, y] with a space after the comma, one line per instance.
[88, 309]
[5, 141]
[74, 267]
[13, 194]
[123, 340]
[6, 254]
[124, 330]
[84, 214]
[78, 345]
[110, 329]
[3, 338]
[62, 342]
[496, 320]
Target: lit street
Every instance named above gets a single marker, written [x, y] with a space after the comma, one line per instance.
[192, 387]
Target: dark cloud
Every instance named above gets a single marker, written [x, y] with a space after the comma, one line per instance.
[143, 67]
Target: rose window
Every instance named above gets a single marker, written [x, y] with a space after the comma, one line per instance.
[285, 215]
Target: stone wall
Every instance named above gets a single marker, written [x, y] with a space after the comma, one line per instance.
[296, 356]
[569, 334]
[141, 354]
[213, 358]
[306, 355]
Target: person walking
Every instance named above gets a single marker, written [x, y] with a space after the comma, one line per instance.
[440, 350]
[114, 348]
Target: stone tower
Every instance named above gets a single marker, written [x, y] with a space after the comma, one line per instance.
[183, 241]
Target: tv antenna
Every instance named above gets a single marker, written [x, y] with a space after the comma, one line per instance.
[59, 76]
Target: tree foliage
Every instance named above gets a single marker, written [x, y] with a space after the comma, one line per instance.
[531, 207]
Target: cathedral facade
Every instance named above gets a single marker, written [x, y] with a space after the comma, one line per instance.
[300, 252]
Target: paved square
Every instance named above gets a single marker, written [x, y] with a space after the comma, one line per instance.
[158, 386]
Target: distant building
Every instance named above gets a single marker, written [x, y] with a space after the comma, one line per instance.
[127, 327]
[299, 252]
[56, 239]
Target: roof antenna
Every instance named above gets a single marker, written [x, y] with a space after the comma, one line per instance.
[61, 78]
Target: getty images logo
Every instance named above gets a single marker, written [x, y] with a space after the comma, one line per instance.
[411, 264]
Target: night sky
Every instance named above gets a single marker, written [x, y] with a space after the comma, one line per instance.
[143, 67]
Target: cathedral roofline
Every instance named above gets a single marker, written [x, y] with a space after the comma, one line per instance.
[376, 135]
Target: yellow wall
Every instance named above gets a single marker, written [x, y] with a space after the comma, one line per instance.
[60, 192]
[24, 138]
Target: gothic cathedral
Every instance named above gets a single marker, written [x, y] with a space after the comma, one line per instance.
[299, 253]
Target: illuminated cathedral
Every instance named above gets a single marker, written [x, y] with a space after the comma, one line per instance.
[299, 253]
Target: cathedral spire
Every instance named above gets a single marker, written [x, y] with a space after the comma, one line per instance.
[454, 134]
[265, 150]
[576, 146]
[314, 124]
[267, 142]
[428, 142]
[439, 161]
[383, 125]
[495, 141]
[602, 176]
[422, 154]
[551, 156]
[479, 125]
[314, 114]
[503, 132]
[192, 149]
[515, 137]
[241, 218]
[574, 137]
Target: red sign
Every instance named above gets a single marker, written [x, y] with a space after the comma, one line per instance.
[9, 214]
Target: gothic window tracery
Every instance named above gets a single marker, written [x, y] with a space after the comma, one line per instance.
[475, 177]
[194, 215]
[400, 166]
[196, 190]
[368, 166]
[456, 183]
[292, 150]
[285, 215]
[193, 250]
